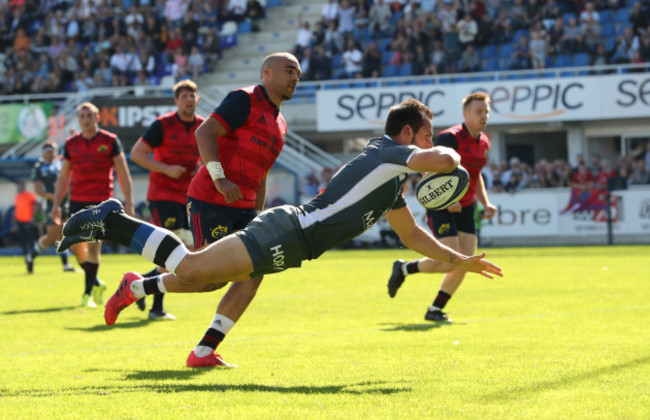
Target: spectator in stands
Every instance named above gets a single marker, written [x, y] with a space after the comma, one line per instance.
[470, 61]
[303, 40]
[398, 46]
[572, 38]
[330, 13]
[254, 12]
[521, 57]
[352, 58]
[103, 75]
[179, 66]
[538, 50]
[644, 47]
[419, 60]
[438, 60]
[379, 19]
[321, 64]
[56, 47]
[629, 42]
[550, 13]
[595, 164]
[68, 65]
[514, 178]
[195, 63]
[493, 8]
[147, 62]
[119, 64]
[600, 57]
[467, 30]
[518, 15]
[174, 12]
[502, 29]
[305, 64]
[318, 34]
[484, 34]
[639, 175]
[604, 175]
[534, 11]
[371, 60]
[347, 14]
[142, 79]
[334, 42]
[211, 48]
[639, 18]
[644, 155]
[82, 82]
[554, 37]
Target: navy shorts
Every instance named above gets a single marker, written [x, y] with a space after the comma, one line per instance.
[168, 214]
[444, 223]
[275, 241]
[76, 206]
[211, 222]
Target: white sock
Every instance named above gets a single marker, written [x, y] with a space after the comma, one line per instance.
[137, 288]
[161, 284]
[406, 273]
[220, 323]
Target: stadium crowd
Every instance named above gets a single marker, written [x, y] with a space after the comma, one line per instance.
[63, 45]
[380, 38]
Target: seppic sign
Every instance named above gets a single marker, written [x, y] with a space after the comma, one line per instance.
[513, 102]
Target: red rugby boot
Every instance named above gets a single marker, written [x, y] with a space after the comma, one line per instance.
[122, 298]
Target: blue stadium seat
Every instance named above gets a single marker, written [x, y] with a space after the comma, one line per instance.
[228, 41]
[362, 34]
[393, 83]
[621, 28]
[390, 71]
[386, 57]
[337, 61]
[489, 51]
[607, 30]
[568, 16]
[406, 69]
[480, 79]
[383, 44]
[357, 85]
[506, 50]
[520, 32]
[273, 3]
[245, 27]
[606, 17]
[581, 59]
[491, 65]
[427, 81]
[567, 73]
[396, 16]
[562, 60]
[610, 43]
[622, 16]
[444, 80]
[548, 75]
[461, 79]
[531, 76]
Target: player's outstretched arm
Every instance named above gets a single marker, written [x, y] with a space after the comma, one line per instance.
[422, 242]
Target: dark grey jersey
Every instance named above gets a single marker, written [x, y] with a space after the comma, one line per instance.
[358, 195]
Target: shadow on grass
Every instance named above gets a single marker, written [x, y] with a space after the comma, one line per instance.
[416, 327]
[102, 327]
[39, 310]
[564, 382]
[146, 377]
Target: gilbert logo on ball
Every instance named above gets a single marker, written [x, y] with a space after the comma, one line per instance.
[437, 190]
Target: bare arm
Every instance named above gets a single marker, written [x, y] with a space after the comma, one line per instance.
[141, 154]
[481, 195]
[124, 176]
[39, 189]
[435, 159]
[420, 241]
[206, 138]
[60, 190]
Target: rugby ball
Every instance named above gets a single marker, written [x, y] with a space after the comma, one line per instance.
[437, 190]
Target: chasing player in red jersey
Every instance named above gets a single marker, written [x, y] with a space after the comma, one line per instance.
[174, 163]
[455, 226]
[89, 158]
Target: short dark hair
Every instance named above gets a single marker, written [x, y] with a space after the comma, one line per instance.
[186, 84]
[410, 112]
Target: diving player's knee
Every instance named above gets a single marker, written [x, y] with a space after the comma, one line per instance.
[189, 272]
[211, 287]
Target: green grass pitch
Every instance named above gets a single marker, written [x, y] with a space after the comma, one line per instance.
[565, 334]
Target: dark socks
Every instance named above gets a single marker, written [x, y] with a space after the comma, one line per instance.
[412, 267]
[90, 272]
[441, 299]
[158, 302]
[64, 258]
[151, 273]
[150, 286]
[212, 338]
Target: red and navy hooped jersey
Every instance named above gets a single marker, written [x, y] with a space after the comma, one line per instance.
[256, 132]
[473, 154]
[91, 163]
[173, 143]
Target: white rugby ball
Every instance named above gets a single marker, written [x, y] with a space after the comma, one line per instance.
[437, 190]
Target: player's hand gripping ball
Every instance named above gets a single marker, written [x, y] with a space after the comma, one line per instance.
[437, 190]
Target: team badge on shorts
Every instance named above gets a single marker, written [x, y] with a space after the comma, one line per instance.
[443, 229]
[219, 232]
[170, 222]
